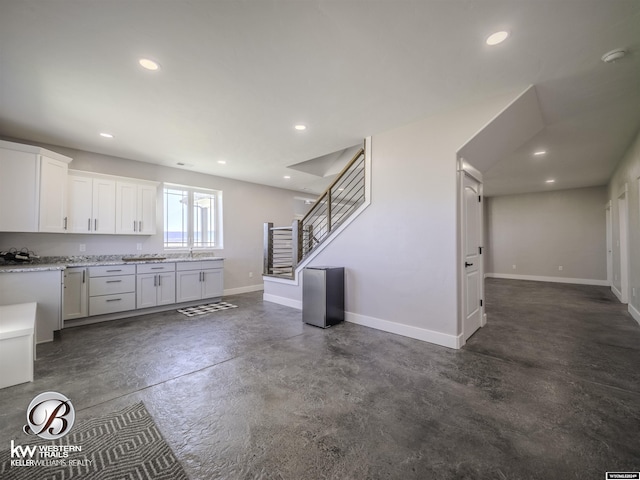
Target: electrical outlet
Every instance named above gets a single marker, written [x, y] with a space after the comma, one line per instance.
[83, 247]
[138, 246]
[513, 266]
[560, 267]
[250, 274]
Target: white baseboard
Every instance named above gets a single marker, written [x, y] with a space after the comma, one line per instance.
[443, 339]
[247, 289]
[537, 278]
[423, 334]
[617, 293]
[284, 281]
[287, 302]
[635, 313]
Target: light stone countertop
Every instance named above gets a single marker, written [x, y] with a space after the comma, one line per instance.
[62, 263]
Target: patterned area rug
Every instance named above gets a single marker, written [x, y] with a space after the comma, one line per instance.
[124, 445]
[202, 309]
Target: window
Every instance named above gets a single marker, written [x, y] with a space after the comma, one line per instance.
[192, 217]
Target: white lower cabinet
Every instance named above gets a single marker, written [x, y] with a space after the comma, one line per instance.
[199, 280]
[155, 285]
[112, 289]
[107, 289]
[75, 294]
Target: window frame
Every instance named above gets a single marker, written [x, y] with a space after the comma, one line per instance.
[190, 231]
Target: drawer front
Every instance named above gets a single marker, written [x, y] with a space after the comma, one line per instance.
[210, 264]
[184, 266]
[112, 303]
[156, 268]
[110, 285]
[107, 270]
[199, 265]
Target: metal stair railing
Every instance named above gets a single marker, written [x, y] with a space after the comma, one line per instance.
[286, 247]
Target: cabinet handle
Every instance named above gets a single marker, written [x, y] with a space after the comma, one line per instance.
[157, 268]
[159, 281]
[83, 275]
[95, 225]
[89, 225]
[65, 223]
[140, 226]
[118, 270]
[114, 300]
[155, 280]
[114, 281]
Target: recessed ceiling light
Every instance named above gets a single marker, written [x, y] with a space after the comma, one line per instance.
[540, 152]
[222, 162]
[551, 180]
[149, 64]
[287, 177]
[300, 127]
[497, 37]
[106, 135]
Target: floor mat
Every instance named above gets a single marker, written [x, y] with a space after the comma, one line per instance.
[124, 445]
[208, 308]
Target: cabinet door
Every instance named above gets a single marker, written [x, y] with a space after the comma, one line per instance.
[18, 191]
[147, 209]
[80, 194]
[104, 206]
[75, 293]
[212, 285]
[188, 286]
[126, 208]
[146, 290]
[166, 291]
[53, 195]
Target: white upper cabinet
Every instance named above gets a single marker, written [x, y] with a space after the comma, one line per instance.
[33, 189]
[92, 204]
[135, 207]
[53, 195]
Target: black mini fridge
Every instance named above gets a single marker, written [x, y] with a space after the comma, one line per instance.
[323, 296]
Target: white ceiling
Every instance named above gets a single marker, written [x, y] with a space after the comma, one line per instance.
[237, 76]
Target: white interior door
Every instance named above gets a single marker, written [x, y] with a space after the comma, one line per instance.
[624, 248]
[609, 221]
[472, 258]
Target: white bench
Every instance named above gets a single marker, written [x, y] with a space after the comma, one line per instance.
[17, 343]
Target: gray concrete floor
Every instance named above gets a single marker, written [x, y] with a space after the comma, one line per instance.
[549, 389]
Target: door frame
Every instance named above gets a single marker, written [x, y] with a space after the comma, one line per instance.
[466, 169]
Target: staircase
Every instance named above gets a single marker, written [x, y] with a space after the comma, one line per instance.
[285, 248]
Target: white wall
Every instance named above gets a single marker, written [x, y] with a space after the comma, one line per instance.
[400, 254]
[246, 207]
[627, 175]
[538, 232]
